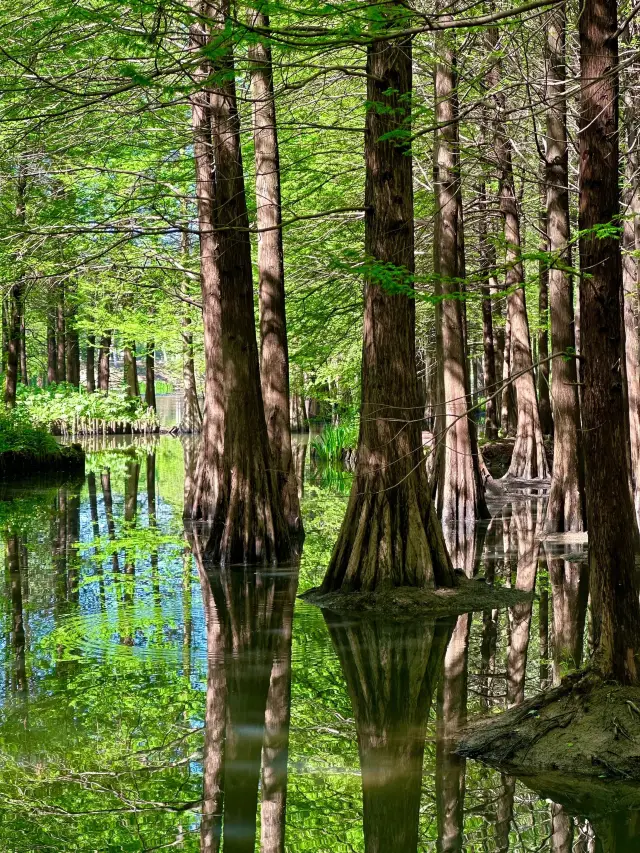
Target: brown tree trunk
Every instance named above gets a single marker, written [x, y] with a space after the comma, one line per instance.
[150, 376]
[274, 351]
[23, 346]
[13, 345]
[390, 535]
[103, 362]
[610, 513]
[544, 399]
[61, 360]
[462, 499]
[529, 460]
[487, 261]
[235, 490]
[565, 509]
[91, 363]
[191, 414]
[131, 370]
[52, 352]
[73, 339]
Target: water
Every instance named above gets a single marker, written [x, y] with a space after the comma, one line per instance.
[127, 724]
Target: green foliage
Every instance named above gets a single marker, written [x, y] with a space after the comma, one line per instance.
[334, 441]
[63, 405]
[18, 432]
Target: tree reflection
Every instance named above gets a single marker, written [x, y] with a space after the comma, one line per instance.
[391, 670]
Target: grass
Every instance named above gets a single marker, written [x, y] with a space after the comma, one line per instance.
[334, 441]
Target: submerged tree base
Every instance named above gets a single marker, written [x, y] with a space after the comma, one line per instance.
[585, 727]
[408, 601]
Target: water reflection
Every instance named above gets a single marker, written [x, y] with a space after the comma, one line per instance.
[148, 701]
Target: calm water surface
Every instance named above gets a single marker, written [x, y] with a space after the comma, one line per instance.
[147, 704]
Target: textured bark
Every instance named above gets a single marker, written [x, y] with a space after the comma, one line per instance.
[508, 417]
[274, 351]
[544, 399]
[72, 338]
[13, 345]
[131, 370]
[391, 673]
[150, 376]
[191, 414]
[610, 513]
[529, 460]
[52, 351]
[390, 535]
[91, 364]
[565, 509]
[103, 362]
[561, 830]
[235, 491]
[61, 357]
[631, 243]
[487, 261]
[24, 378]
[462, 499]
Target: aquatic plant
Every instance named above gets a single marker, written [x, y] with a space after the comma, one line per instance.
[334, 441]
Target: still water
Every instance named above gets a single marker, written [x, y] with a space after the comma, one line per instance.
[146, 704]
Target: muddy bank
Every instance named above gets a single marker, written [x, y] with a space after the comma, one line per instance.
[497, 455]
[583, 728]
[409, 602]
[20, 463]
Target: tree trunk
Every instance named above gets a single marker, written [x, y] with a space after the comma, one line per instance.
[23, 345]
[274, 351]
[131, 370]
[565, 510]
[103, 362]
[390, 535]
[235, 490]
[91, 366]
[191, 414]
[544, 400]
[150, 377]
[610, 513]
[52, 352]
[529, 460]
[61, 360]
[13, 345]
[487, 262]
[462, 499]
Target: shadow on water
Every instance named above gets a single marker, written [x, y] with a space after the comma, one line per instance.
[149, 701]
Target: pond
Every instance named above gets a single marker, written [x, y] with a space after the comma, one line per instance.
[147, 705]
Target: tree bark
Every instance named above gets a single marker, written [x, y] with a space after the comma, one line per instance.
[103, 362]
[462, 499]
[565, 509]
[390, 535]
[610, 513]
[191, 414]
[235, 490]
[13, 345]
[487, 261]
[274, 351]
[131, 370]
[150, 376]
[544, 399]
[91, 365]
[528, 460]
[52, 352]
[61, 359]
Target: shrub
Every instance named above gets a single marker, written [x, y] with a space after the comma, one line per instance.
[18, 433]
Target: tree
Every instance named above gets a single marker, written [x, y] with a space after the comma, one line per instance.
[610, 513]
[235, 489]
[390, 535]
[274, 348]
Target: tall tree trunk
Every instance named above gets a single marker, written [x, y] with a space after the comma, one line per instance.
[544, 399]
[235, 488]
[103, 362]
[528, 460]
[565, 509]
[23, 345]
[150, 376]
[462, 498]
[73, 338]
[487, 262]
[610, 514]
[191, 414]
[274, 351]
[631, 244]
[390, 535]
[52, 352]
[91, 364]
[13, 345]
[61, 360]
[131, 370]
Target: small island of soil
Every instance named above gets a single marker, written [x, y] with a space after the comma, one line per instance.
[585, 727]
[67, 458]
